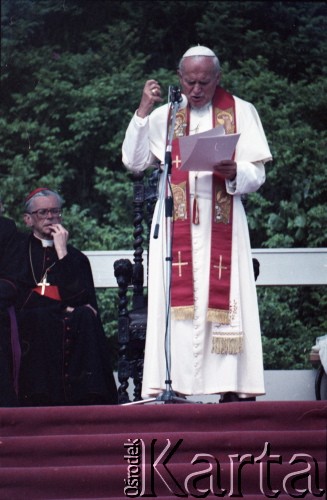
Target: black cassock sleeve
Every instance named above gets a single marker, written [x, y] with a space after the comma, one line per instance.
[73, 276]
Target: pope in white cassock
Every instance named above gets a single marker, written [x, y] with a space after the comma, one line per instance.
[215, 329]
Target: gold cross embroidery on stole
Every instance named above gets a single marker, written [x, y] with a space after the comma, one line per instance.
[180, 264]
[220, 267]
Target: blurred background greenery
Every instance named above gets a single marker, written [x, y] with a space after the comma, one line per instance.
[72, 76]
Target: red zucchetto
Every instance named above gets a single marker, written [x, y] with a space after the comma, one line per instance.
[34, 192]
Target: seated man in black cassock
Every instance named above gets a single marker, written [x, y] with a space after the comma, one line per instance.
[65, 355]
[9, 341]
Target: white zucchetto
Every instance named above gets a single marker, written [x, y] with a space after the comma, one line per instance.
[199, 50]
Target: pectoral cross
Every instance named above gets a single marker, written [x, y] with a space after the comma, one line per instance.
[220, 266]
[180, 264]
[43, 284]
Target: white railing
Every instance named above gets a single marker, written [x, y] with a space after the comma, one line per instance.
[278, 266]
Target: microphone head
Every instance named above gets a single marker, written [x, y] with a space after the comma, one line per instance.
[175, 94]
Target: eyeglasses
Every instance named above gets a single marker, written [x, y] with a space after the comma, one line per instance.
[42, 213]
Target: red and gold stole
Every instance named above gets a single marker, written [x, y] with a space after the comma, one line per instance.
[182, 300]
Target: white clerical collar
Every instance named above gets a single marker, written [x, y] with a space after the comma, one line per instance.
[45, 243]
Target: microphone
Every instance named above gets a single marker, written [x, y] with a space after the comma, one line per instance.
[176, 96]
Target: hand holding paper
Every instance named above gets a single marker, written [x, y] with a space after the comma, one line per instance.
[203, 151]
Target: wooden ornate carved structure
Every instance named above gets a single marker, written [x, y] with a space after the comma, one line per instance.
[132, 308]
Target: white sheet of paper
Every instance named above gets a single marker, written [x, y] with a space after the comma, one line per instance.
[203, 151]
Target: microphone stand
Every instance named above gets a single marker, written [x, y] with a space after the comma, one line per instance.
[168, 395]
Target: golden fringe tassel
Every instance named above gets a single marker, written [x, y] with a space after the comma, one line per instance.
[224, 345]
[182, 312]
[218, 316]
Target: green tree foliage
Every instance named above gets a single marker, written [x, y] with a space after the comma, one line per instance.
[72, 76]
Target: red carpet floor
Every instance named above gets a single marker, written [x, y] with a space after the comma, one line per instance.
[235, 450]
